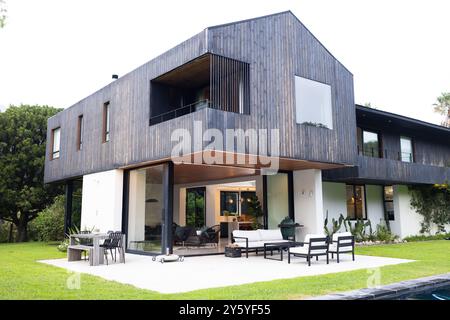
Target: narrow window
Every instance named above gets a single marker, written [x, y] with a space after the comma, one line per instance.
[56, 141]
[406, 147]
[356, 202]
[80, 133]
[241, 96]
[368, 143]
[388, 198]
[106, 120]
[313, 103]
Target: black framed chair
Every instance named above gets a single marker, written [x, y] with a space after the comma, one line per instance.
[113, 242]
[211, 235]
[182, 234]
[314, 246]
[343, 242]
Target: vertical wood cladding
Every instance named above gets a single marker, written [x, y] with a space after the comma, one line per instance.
[276, 48]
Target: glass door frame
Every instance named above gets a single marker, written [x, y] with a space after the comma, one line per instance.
[167, 221]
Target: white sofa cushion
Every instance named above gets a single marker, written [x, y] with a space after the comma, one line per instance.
[333, 248]
[299, 250]
[252, 244]
[252, 235]
[341, 234]
[272, 235]
[322, 243]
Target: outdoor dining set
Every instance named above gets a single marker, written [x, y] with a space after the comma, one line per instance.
[96, 246]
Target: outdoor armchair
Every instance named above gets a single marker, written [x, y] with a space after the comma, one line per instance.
[315, 245]
[343, 242]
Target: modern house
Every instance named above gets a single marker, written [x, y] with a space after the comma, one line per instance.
[143, 146]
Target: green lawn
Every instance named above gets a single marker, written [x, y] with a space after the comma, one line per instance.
[21, 277]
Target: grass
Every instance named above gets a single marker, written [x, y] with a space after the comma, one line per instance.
[21, 277]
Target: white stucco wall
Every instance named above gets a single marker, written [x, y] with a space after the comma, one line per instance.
[407, 220]
[334, 200]
[308, 202]
[375, 205]
[102, 201]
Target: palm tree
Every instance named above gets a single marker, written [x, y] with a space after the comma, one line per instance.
[2, 14]
[443, 107]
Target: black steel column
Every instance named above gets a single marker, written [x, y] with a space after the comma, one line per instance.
[168, 207]
[68, 207]
[265, 212]
[125, 204]
[291, 195]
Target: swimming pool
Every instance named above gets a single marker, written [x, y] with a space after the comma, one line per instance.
[433, 294]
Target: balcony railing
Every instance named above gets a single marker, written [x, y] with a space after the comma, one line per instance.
[190, 108]
[387, 154]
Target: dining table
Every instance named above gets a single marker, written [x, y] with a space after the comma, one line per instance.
[96, 251]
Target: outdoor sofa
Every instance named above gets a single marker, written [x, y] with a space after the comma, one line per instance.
[254, 240]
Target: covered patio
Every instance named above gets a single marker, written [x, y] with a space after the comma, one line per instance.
[196, 273]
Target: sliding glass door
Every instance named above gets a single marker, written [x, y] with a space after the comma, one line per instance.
[146, 209]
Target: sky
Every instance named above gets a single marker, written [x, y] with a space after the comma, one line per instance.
[56, 52]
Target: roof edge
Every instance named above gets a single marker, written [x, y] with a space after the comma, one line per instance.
[401, 117]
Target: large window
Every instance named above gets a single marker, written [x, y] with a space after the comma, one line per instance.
[106, 121]
[195, 207]
[80, 133]
[388, 197]
[56, 142]
[406, 154]
[368, 143]
[313, 103]
[356, 202]
[229, 201]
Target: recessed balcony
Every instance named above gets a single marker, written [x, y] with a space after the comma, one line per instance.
[210, 81]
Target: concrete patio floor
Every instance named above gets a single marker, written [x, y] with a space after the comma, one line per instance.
[214, 271]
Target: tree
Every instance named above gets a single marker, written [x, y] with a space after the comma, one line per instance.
[442, 106]
[2, 14]
[433, 203]
[23, 194]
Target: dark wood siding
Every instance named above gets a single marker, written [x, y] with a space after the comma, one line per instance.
[387, 171]
[276, 48]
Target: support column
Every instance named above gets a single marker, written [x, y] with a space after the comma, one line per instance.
[68, 207]
[168, 173]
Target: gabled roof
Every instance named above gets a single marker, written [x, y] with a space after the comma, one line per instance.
[288, 12]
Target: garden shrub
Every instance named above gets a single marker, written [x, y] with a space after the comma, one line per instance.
[49, 224]
[433, 203]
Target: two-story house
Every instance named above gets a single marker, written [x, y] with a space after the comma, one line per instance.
[183, 143]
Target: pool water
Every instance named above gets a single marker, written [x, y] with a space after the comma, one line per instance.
[436, 294]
